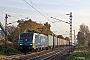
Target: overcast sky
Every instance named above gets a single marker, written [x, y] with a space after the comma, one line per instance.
[18, 9]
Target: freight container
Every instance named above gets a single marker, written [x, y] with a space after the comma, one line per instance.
[50, 41]
[67, 43]
[55, 42]
[60, 41]
[64, 42]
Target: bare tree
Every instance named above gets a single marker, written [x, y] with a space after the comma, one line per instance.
[83, 35]
[84, 29]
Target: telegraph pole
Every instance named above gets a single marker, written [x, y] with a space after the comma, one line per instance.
[70, 17]
[6, 32]
[70, 22]
[70, 26]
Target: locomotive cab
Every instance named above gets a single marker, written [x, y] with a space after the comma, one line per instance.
[25, 41]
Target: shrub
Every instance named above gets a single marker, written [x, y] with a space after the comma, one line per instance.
[79, 55]
[9, 51]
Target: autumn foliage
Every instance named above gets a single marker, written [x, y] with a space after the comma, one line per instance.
[24, 26]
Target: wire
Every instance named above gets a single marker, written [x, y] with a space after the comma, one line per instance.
[38, 7]
[2, 12]
[39, 12]
[33, 8]
[11, 11]
[42, 11]
[10, 15]
[36, 10]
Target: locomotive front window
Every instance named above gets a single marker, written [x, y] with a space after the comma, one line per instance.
[26, 36]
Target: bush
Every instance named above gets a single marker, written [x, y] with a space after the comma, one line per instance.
[9, 51]
[1, 44]
[0, 47]
[79, 55]
[15, 44]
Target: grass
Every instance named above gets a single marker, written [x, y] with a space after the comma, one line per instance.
[9, 51]
[2, 56]
[81, 53]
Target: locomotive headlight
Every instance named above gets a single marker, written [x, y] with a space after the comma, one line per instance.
[30, 44]
[20, 44]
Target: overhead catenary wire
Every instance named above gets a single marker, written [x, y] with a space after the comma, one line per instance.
[22, 15]
[35, 9]
[38, 7]
[2, 12]
[41, 10]
[40, 13]
[11, 11]
[10, 15]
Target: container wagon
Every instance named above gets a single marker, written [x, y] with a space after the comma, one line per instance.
[50, 41]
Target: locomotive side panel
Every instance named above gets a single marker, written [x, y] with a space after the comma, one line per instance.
[36, 41]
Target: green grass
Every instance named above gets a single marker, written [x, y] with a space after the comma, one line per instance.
[1, 42]
[81, 53]
[9, 51]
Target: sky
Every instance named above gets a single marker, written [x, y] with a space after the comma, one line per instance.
[41, 11]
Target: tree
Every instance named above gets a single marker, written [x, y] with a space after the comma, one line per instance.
[34, 26]
[13, 33]
[83, 35]
[84, 29]
[47, 25]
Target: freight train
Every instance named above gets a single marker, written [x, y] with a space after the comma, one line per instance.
[34, 41]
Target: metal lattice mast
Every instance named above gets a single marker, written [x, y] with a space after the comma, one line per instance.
[70, 26]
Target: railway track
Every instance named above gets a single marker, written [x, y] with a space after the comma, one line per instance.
[43, 55]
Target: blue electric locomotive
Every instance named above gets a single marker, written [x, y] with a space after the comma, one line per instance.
[32, 41]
